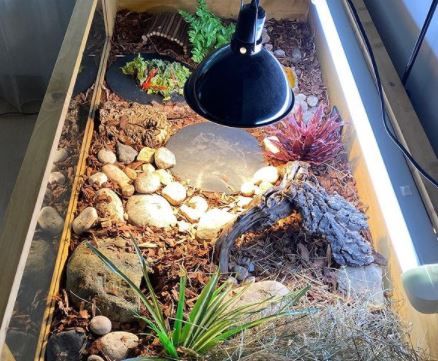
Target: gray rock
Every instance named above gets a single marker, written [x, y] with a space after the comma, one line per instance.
[98, 179]
[126, 153]
[106, 156]
[279, 53]
[363, 283]
[164, 158]
[50, 220]
[116, 175]
[60, 155]
[109, 205]
[241, 272]
[150, 210]
[100, 325]
[116, 345]
[87, 277]
[268, 47]
[249, 280]
[65, 346]
[265, 37]
[56, 178]
[85, 220]
[296, 55]
[251, 267]
[147, 183]
[175, 193]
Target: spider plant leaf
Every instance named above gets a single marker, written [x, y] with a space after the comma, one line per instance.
[179, 317]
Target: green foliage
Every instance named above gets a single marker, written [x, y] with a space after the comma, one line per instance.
[158, 76]
[206, 31]
[213, 319]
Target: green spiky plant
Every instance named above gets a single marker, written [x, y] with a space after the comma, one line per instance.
[213, 319]
[206, 32]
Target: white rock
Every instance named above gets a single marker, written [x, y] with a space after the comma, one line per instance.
[303, 105]
[109, 205]
[116, 175]
[165, 177]
[146, 155]
[148, 168]
[147, 183]
[362, 283]
[60, 155]
[164, 158]
[85, 220]
[299, 98]
[279, 53]
[190, 213]
[243, 202]
[247, 189]
[269, 145]
[95, 358]
[184, 227]
[105, 156]
[126, 153]
[194, 208]
[264, 186]
[312, 100]
[266, 174]
[116, 345]
[198, 203]
[212, 222]
[175, 193]
[150, 210]
[296, 55]
[50, 220]
[98, 179]
[56, 178]
[100, 325]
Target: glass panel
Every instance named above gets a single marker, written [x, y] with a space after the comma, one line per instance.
[25, 325]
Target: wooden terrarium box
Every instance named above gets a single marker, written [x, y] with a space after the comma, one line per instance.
[316, 209]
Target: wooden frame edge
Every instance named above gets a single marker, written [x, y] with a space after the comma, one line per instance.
[404, 119]
[27, 197]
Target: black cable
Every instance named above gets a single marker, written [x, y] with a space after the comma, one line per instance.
[382, 101]
[419, 42]
[18, 113]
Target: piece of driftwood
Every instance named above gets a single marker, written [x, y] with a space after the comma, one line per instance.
[323, 214]
[170, 26]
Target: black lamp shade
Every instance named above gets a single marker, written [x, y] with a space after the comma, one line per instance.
[240, 90]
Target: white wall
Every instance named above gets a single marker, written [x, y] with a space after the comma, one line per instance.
[399, 23]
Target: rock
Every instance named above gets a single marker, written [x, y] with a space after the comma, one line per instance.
[65, 346]
[363, 283]
[312, 101]
[85, 220]
[265, 37]
[165, 177]
[241, 272]
[307, 116]
[243, 202]
[211, 223]
[232, 280]
[300, 98]
[266, 174]
[150, 210]
[56, 178]
[175, 193]
[100, 325]
[50, 220]
[247, 189]
[260, 292]
[128, 190]
[268, 47]
[190, 213]
[300, 101]
[131, 173]
[148, 168]
[251, 267]
[116, 345]
[147, 183]
[296, 55]
[198, 203]
[126, 153]
[106, 156]
[109, 205]
[146, 155]
[60, 155]
[194, 208]
[98, 179]
[279, 53]
[164, 158]
[184, 227]
[249, 280]
[116, 175]
[95, 358]
[270, 146]
[88, 278]
[263, 187]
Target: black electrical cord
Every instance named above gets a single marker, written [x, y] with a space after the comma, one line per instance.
[419, 42]
[405, 152]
